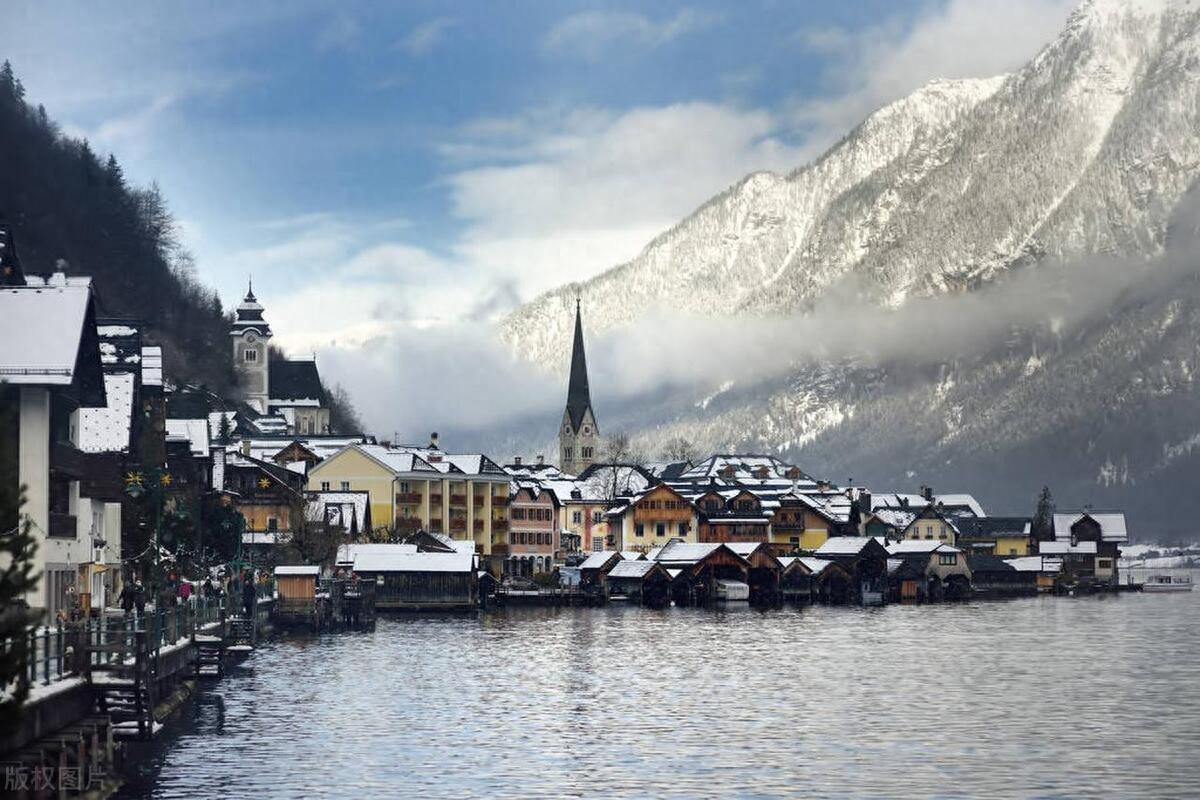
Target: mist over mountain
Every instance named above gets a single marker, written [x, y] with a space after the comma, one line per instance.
[987, 285]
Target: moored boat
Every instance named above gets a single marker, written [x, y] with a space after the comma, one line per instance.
[1168, 583]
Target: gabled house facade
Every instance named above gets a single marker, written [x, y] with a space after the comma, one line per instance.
[653, 518]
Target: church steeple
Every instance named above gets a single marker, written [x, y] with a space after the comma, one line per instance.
[579, 398]
[579, 437]
[251, 355]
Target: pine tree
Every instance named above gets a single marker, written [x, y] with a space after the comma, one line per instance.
[114, 176]
[1043, 518]
[17, 548]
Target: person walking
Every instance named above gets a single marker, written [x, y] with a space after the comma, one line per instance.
[128, 593]
[139, 598]
[249, 595]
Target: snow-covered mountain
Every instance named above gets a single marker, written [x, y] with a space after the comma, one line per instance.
[1085, 151]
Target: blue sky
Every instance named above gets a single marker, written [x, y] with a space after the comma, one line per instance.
[397, 174]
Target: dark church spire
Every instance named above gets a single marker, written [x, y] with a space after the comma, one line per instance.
[579, 398]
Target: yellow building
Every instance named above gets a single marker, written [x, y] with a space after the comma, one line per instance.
[801, 523]
[1000, 536]
[653, 518]
[929, 523]
[462, 495]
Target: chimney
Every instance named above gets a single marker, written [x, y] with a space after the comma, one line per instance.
[246, 447]
[433, 441]
[541, 460]
[517, 461]
[927, 493]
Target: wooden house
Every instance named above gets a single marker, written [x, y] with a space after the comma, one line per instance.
[1089, 544]
[593, 572]
[992, 576]
[641, 581]
[698, 568]
[931, 523]
[795, 580]
[865, 560]
[738, 518]
[653, 518]
[766, 571]
[943, 570]
[830, 582]
[296, 603]
[997, 536]
[408, 579]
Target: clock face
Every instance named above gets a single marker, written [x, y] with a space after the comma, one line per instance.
[566, 428]
[251, 338]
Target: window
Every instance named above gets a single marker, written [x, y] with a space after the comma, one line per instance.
[660, 529]
[586, 452]
[947, 559]
[639, 530]
[567, 454]
[684, 527]
[597, 517]
[1012, 551]
[1104, 563]
[345, 486]
[597, 544]
[404, 487]
[795, 540]
[249, 356]
[577, 517]
[928, 531]
[272, 524]
[324, 486]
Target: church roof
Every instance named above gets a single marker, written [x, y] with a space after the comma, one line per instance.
[294, 380]
[250, 315]
[579, 397]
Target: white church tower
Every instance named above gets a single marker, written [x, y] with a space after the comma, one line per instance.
[250, 334]
[579, 437]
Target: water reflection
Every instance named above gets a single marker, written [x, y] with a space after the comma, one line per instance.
[1042, 696]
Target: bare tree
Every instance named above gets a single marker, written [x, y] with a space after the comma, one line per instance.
[679, 448]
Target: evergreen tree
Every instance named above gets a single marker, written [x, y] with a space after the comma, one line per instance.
[17, 548]
[114, 176]
[1043, 518]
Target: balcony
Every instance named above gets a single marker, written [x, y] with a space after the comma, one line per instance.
[435, 499]
[408, 524]
[458, 499]
[458, 526]
[499, 525]
[500, 549]
[478, 526]
[62, 526]
[479, 500]
[500, 501]
[408, 499]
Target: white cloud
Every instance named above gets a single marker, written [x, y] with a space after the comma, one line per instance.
[591, 35]
[873, 66]
[565, 195]
[421, 40]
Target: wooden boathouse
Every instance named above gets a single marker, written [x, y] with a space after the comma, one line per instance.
[407, 579]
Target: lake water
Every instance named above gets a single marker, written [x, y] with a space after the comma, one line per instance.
[1047, 697]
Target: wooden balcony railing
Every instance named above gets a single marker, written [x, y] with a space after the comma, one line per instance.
[498, 500]
[479, 500]
[458, 499]
[478, 526]
[499, 525]
[408, 498]
[500, 549]
[436, 499]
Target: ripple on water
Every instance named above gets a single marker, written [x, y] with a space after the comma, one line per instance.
[1036, 697]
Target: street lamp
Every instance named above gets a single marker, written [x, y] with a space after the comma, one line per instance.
[153, 483]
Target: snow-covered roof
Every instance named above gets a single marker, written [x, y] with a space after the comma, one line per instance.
[405, 561]
[843, 545]
[1034, 564]
[597, 559]
[106, 430]
[685, 552]
[911, 546]
[194, 430]
[632, 555]
[896, 517]
[347, 509]
[1060, 548]
[42, 328]
[298, 570]
[1112, 525]
[815, 565]
[631, 569]
[743, 549]
[348, 552]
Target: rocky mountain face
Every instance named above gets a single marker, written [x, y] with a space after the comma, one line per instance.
[1084, 156]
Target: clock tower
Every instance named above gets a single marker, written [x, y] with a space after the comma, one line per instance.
[250, 334]
[579, 436]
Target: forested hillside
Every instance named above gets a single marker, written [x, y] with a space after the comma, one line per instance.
[68, 203]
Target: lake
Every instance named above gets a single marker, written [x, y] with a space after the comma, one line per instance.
[1039, 697]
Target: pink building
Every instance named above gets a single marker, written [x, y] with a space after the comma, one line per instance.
[533, 530]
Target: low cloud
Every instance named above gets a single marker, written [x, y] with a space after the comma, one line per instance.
[592, 35]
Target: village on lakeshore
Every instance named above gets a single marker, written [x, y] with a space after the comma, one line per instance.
[131, 478]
